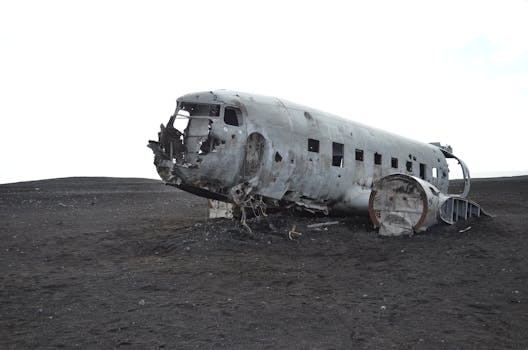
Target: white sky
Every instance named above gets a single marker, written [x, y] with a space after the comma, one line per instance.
[85, 84]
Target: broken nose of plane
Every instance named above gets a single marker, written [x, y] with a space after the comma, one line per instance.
[167, 149]
[163, 164]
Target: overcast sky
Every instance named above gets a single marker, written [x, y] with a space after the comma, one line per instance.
[85, 84]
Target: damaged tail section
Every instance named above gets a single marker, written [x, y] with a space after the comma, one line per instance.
[400, 204]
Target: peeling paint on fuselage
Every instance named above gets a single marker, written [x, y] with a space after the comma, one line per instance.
[267, 155]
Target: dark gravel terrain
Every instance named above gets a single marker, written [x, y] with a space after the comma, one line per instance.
[106, 263]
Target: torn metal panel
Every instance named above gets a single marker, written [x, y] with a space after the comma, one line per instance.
[402, 205]
[218, 209]
[465, 172]
[457, 208]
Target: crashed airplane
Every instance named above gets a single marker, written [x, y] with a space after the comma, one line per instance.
[259, 152]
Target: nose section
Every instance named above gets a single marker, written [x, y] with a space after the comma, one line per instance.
[161, 160]
[168, 149]
[206, 156]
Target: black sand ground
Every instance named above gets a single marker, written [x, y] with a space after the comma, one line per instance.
[128, 263]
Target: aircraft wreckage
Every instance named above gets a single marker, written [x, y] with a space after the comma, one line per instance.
[259, 152]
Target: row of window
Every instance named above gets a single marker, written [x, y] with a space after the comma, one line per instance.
[232, 115]
[338, 157]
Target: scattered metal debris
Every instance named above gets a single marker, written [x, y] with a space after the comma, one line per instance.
[219, 209]
[323, 224]
[292, 234]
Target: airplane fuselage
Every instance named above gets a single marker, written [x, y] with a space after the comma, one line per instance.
[237, 145]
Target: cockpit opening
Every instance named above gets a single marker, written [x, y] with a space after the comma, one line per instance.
[195, 122]
[232, 116]
[186, 110]
[202, 110]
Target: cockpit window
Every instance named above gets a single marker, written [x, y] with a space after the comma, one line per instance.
[186, 110]
[232, 116]
[181, 120]
[202, 110]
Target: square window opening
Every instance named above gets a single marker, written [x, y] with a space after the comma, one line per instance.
[232, 116]
[435, 173]
[359, 154]
[422, 171]
[337, 154]
[313, 145]
[394, 163]
[408, 165]
[377, 158]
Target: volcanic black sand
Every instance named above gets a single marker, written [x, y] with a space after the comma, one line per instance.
[106, 263]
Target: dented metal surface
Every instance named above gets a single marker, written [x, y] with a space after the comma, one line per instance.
[259, 152]
[401, 205]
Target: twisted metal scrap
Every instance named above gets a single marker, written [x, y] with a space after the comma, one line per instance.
[256, 204]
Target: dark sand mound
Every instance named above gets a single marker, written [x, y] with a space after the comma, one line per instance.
[106, 263]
